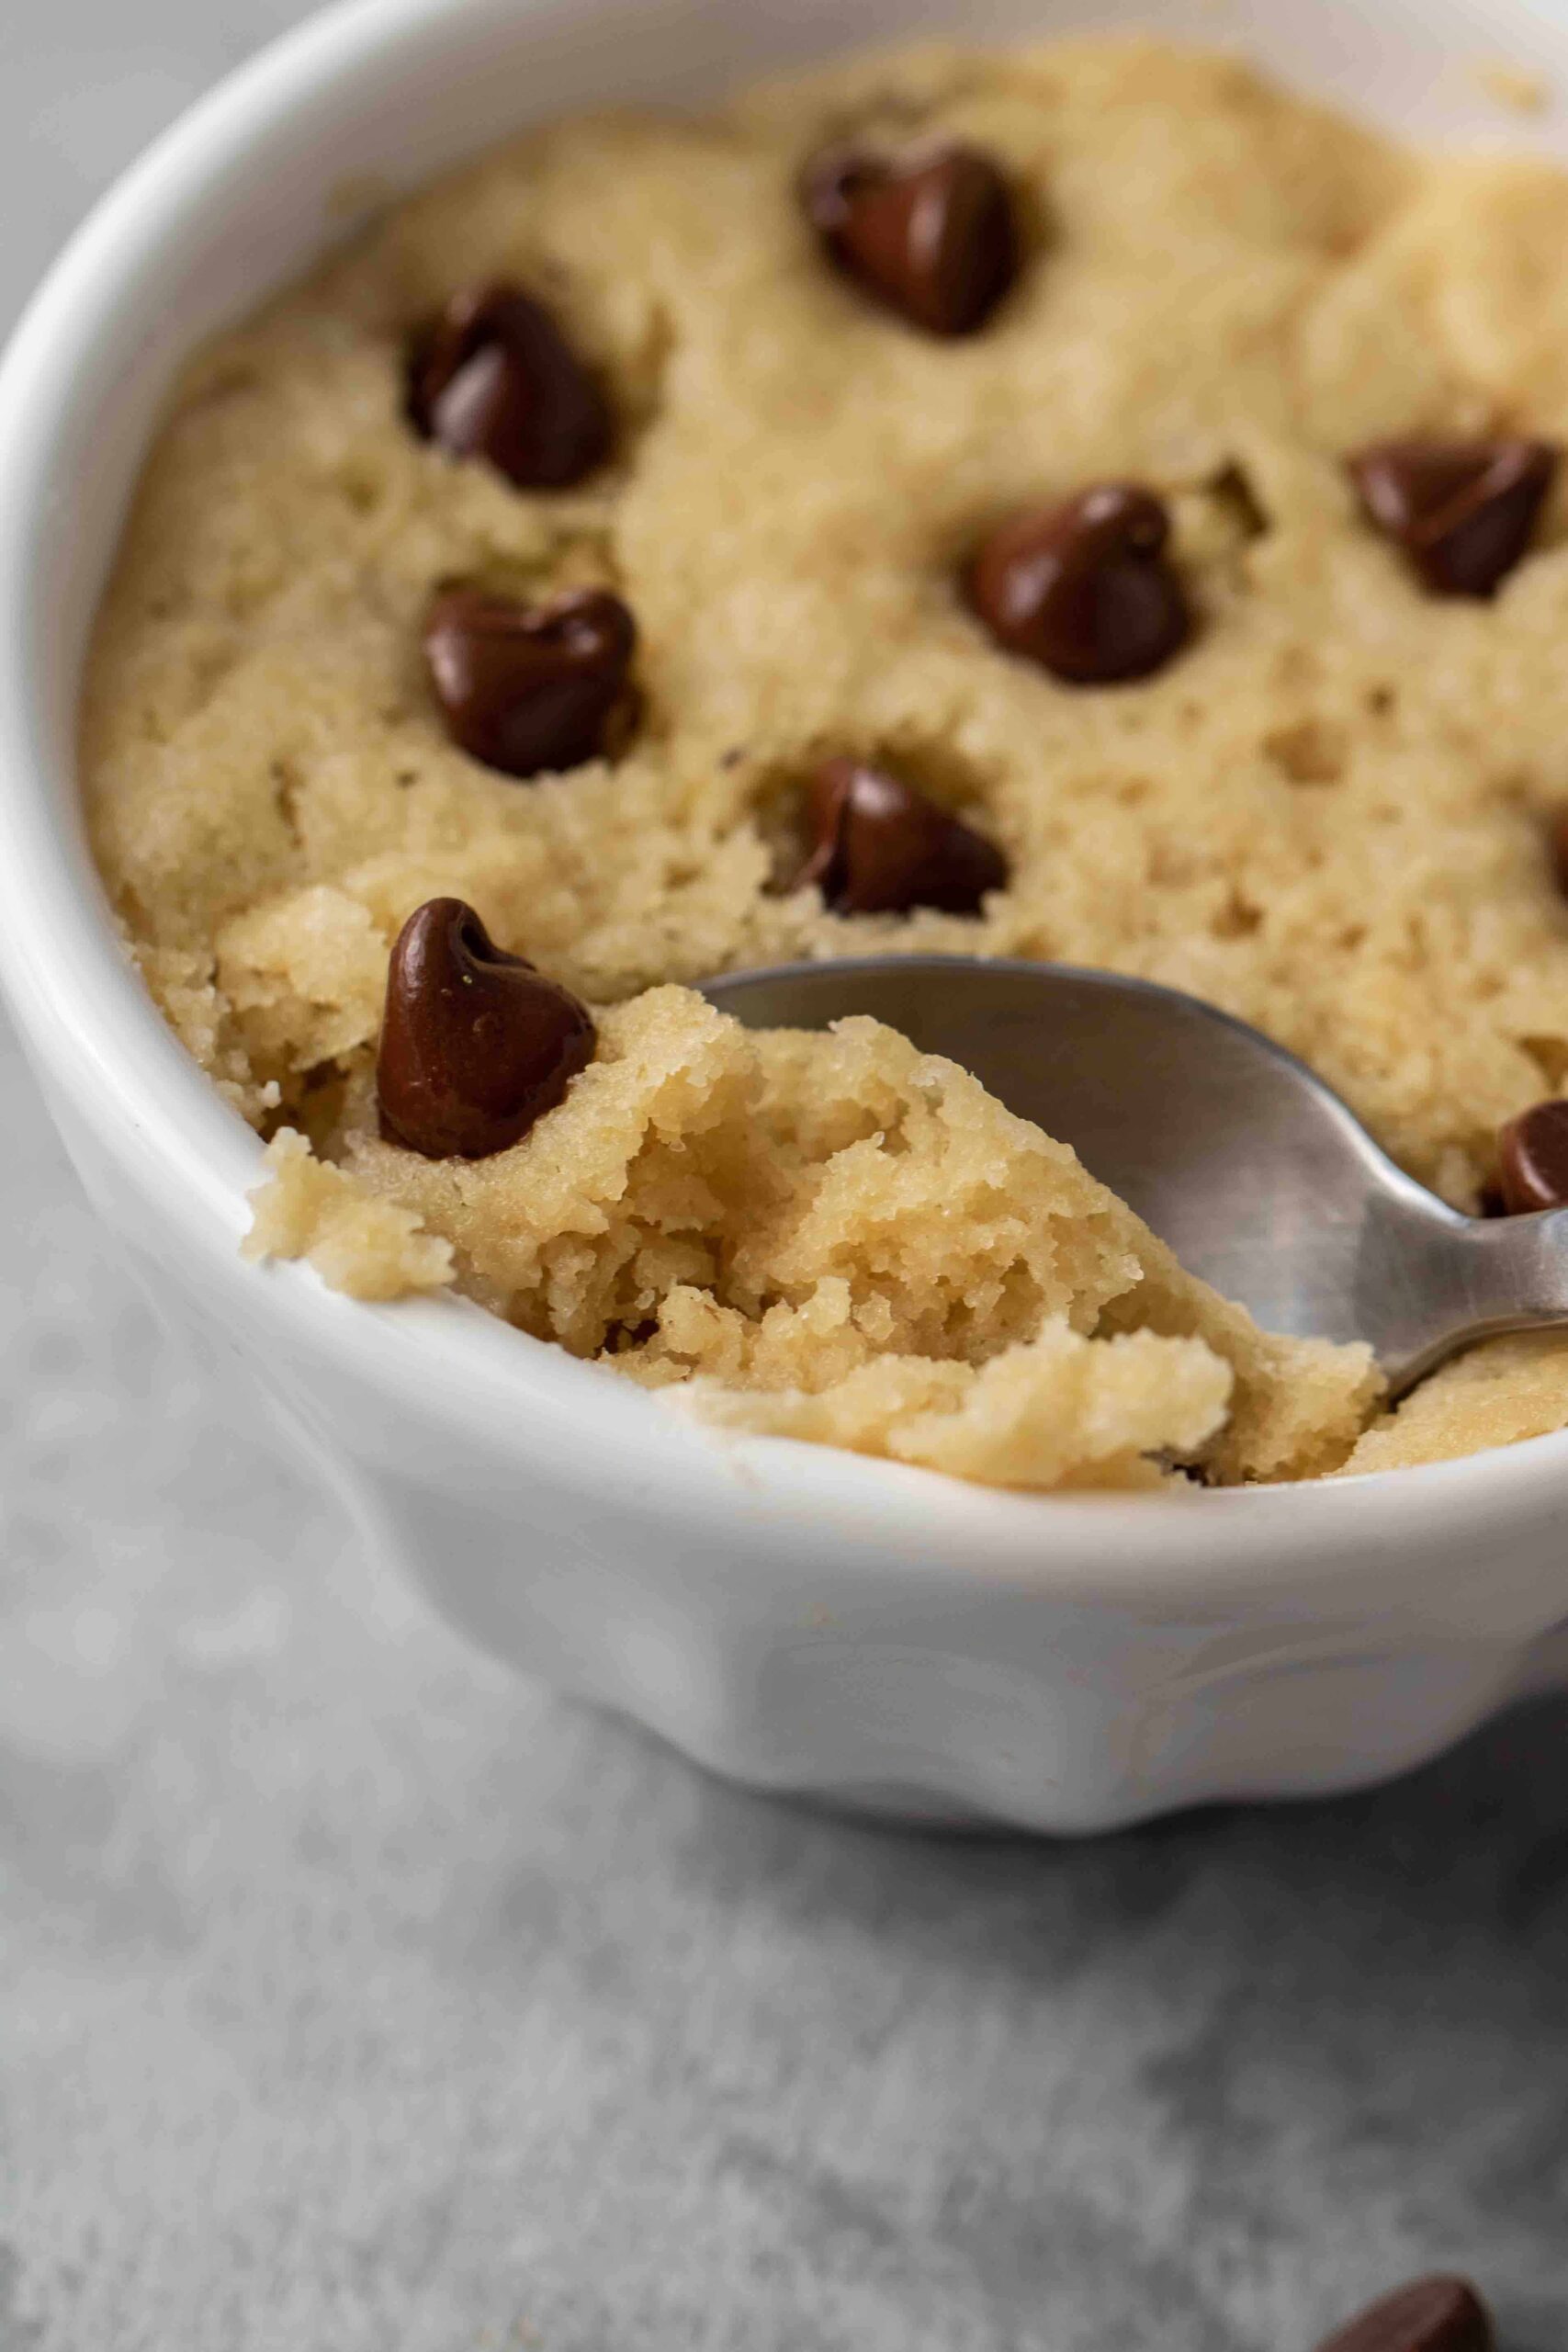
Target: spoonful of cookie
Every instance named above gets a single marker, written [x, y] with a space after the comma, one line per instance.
[1232, 1151]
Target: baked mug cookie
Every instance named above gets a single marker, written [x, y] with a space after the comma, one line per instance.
[1079, 502]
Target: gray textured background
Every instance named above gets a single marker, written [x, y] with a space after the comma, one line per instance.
[354, 2000]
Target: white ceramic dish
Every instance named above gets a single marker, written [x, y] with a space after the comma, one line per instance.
[802, 1619]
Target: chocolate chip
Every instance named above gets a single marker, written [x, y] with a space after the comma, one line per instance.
[495, 378]
[531, 688]
[1464, 511]
[881, 847]
[475, 1044]
[1085, 589]
[1436, 2314]
[1532, 1158]
[932, 235]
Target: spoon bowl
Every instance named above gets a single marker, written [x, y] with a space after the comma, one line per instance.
[1230, 1149]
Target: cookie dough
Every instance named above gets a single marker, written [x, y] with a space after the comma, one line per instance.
[1327, 814]
[839, 1237]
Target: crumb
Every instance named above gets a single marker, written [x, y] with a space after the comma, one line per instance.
[1520, 88]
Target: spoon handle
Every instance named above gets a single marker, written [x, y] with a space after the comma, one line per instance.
[1464, 1279]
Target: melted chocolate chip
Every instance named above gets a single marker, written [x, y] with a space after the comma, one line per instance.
[475, 1044]
[1436, 2314]
[496, 379]
[881, 847]
[1532, 1160]
[932, 235]
[1085, 589]
[1464, 511]
[531, 689]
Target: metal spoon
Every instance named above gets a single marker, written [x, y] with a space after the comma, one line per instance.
[1255, 1173]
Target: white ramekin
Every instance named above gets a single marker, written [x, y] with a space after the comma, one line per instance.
[805, 1620]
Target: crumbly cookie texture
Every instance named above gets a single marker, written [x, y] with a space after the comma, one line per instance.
[1324, 816]
[371, 1249]
[834, 1236]
[1497, 1395]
